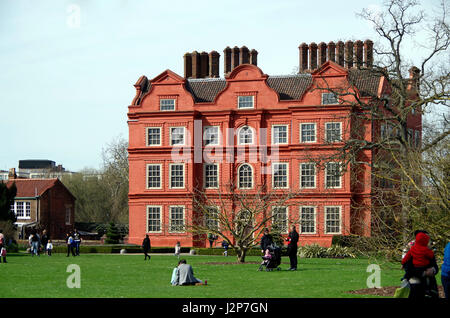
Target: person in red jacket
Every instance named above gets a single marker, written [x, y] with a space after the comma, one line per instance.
[420, 254]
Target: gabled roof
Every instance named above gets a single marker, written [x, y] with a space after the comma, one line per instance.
[29, 188]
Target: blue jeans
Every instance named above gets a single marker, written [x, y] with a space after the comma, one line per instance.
[446, 284]
[35, 247]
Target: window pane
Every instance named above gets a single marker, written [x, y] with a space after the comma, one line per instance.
[333, 175]
[212, 218]
[308, 132]
[332, 219]
[245, 102]
[333, 132]
[177, 176]
[329, 99]
[307, 219]
[280, 175]
[177, 135]
[19, 209]
[211, 136]
[176, 219]
[153, 219]
[245, 135]
[280, 135]
[245, 177]
[153, 136]
[154, 176]
[211, 176]
[308, 175]
[279, 223]
[167, 104]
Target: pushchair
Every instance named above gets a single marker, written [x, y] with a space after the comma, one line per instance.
[272, 262]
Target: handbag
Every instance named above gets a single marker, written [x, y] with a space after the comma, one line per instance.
[403, 291]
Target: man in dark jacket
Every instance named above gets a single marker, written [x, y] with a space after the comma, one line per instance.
[266, 240]
[146, 246]
[292, 248]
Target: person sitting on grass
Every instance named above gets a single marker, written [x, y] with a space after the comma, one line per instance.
[183, 275]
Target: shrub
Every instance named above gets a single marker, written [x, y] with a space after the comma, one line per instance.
[337, 251]
[317, 251]
[112, 234]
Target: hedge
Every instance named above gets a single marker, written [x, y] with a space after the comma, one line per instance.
[116, 248]
[231, 252]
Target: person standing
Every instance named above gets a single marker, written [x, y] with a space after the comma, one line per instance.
[35, 244]
[178, 249]
[77, 242]
[44, 240]
[49, 247]
[146, 246]
[2, 247]
[445, 272]
[70, 245]
[225, 247]
[266, 240]
[292, 248]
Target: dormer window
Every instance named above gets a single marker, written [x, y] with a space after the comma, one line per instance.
[245, 102]
[329, 99]
[167, 104]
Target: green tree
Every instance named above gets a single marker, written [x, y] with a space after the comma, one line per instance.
[112, 234]
[7, 196]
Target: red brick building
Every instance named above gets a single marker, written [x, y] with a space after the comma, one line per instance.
[43, 204]
[174, 121]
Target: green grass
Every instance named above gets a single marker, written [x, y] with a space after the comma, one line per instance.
[129, 276]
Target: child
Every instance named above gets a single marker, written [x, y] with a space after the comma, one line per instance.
[49, 248]
[3, 254]
[225, 246]
[177, 249]
[421, 256]
[267, 257]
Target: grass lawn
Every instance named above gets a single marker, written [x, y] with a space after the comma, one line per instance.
[129, 276]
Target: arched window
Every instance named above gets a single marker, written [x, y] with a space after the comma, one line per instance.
[245, 136]
[245, 174]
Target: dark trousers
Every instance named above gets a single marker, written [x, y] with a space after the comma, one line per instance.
[292, 252]
[70, 249]
[446, 285]
[146, 254]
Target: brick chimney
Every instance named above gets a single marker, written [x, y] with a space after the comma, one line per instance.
[312, 56]
[358, 47]
[204, 64]
[414, 74]
[235, 57]
[368, 53]
[303, 57]
[322, 53]
[331, 51]
[214, 64]
[348, 54]
[244, 55]
[12, 174]
[187, 65]
[196, 70]
[227, 60]
[254, 57]
[340, 56]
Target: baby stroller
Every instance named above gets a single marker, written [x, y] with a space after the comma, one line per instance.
[272, 262]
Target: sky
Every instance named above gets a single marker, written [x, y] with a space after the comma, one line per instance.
[67, 67]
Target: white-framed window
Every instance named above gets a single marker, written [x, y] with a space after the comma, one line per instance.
[329, 99]
[167, 104]
[307, 175]
[154, 136]
[177, 136]
[176, 177]
[333, 220]
[68, 215]
[333, 175]
[20, 212]
[21, 209]
[154, 219]
[154, 173]
[211, 175]
[280, 175]
[176, 219]
[245, 176]
[245, 102]
[308, 219]
[307, 132]
[245, 135]
[211, 135]
[333, 132]
[280, 219]
[212, 218]
[280, 134]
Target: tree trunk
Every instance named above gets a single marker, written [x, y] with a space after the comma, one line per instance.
[241, 253]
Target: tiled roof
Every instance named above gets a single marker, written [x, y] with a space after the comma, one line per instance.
[28, 188]
[288, 87]
[205, 89]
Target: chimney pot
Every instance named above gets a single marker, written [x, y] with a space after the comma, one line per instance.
[204, 64]
[244, 57]
[196, 70]
[227, 60]
[214, 64]
[368, 53]
[322, 53]
[187, 65]
[332, 51]
[340, 57]
[254, 57]
[358, 48]
[349, 54]
[303, 65]
[235, 57]
[312, 56]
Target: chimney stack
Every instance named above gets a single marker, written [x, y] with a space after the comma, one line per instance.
[227, 60]
[331, 51]
[303, 57]
[349, 54]
[358, 45]
[187, 65]
[234, 57]
[214, 64]
[244, 55]
[196, 70]
[254, 57]
[322, 53]
[312, 56]
[12, 174]
[368, 53]
[340, 57]
[204, 64]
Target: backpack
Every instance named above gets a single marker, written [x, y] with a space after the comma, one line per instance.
[3, 252]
